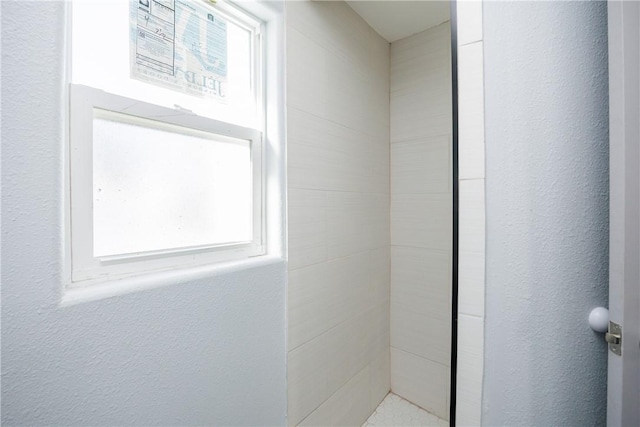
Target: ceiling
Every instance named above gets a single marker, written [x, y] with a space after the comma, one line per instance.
[395, 20]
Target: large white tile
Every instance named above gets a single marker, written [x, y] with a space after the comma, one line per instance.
[472, 216]
[355, 343]
[314, 19]
[421, 166]
[469, 17]
[380, 275]
[471, 111]
[357, 222]
[379, 57]
[349, 287]
[307, 379]
[377, 113]
[423, 220]
[377, 155]
[421, 280]
[421, 85]
[421, 112]
[307, 221]
[333, 25]
[380, 374]
[423, 57]
[347, 344]
[425, 333]
[470, 370]
[421, 381]
[307, 80]
[426, 75]
[308, 301]
[471, 283]
[323, 295]
[347, 92]
[353, 284]
[324, 155]
[356, 64]
[349, 406]
[349, 34]
[309, 17]
[470, 160]
[346, 40]
[379, 331]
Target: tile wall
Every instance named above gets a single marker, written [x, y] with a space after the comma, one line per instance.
[472, 214]
[421, 229]
[338, 218]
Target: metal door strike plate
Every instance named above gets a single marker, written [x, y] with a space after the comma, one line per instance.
[614, 338]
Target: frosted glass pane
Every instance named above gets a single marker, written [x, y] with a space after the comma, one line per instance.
[100, 58]
[166, 188]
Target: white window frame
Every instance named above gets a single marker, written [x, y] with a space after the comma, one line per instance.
[84, 102]
[83, 268]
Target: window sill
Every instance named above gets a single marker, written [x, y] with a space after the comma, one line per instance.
[128, 285]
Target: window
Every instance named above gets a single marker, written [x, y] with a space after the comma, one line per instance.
[166, 130]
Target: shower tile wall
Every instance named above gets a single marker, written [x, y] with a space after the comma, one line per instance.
[421, 197]
[472, 214]
[339, 220]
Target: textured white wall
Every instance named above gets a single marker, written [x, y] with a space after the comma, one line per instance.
[206, 352]
[421, 227]
[338, 218]
[546, 99]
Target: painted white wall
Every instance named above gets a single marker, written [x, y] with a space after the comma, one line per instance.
[338, 218]
[546, 100]
[202, 352]
[421, 226]
[396, 20]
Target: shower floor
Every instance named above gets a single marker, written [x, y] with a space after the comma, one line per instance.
[394, 411]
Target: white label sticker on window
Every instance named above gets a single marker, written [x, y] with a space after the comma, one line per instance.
[179, 44]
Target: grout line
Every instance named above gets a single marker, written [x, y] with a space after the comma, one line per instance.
[351, 255]
[372, 135]
[470, 43]
[433, 193]
[352, 317]
[420, 138]
[291, 187]
[334, 49]
[334, 393]
[421, 357]
[422, 194]
[475, 316]
[448, 250]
